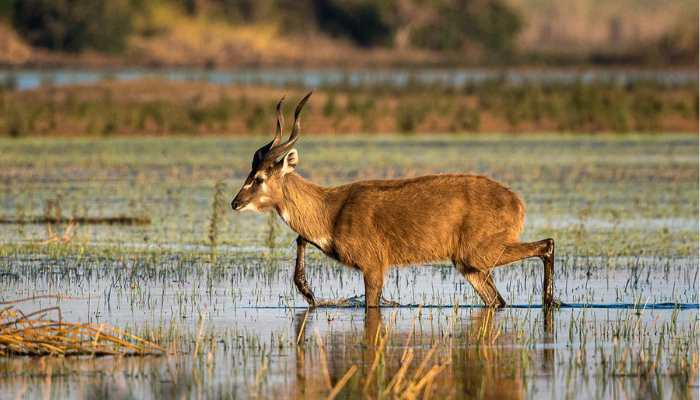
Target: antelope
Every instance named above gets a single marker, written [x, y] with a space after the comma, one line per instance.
[471, 220]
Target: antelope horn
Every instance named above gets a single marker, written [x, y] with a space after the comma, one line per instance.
[278, 150]
[280, 124]
[297, 122]
[262, 153]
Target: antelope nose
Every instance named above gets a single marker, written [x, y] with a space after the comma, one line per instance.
[235, 204]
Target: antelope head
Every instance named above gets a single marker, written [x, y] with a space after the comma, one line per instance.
[262, 189]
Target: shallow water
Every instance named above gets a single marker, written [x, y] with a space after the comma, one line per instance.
[623, 213]
[28, 79]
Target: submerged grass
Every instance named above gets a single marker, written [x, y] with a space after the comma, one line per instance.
[597, 195]
[622, 209]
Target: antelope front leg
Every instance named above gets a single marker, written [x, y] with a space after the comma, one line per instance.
[300, 274]
[374, 282]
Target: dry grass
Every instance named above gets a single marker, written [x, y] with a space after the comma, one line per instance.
[13, 49]
[401, 385]
[152, 107]
[594, 24]
[410, 381]
[64, 238]
[37, 334]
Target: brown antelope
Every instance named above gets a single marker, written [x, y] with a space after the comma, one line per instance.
[371, 225]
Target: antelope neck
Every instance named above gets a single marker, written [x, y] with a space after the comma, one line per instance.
[305, 208]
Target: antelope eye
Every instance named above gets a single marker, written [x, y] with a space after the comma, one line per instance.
[258, 180]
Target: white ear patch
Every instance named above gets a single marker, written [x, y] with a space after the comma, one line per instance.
[290, 161]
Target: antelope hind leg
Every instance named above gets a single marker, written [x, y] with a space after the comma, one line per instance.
[494, 256]
[544, 249]
[548, 284]
[482, 282]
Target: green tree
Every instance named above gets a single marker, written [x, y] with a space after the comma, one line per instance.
[486, 23]
[366, 22]
[74, 25]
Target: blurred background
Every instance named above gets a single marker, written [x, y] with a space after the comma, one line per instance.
[128, 126]
[82, 67]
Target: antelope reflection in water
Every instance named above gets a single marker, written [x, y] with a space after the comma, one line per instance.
[478, 357]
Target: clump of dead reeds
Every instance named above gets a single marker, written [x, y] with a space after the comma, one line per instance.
[64, 238]
[38, 334]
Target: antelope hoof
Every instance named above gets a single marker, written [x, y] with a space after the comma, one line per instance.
[311, 300]
[344, 302]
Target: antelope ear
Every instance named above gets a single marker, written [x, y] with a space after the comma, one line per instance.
[289, 162]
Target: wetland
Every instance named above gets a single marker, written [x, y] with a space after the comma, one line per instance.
[215, 287]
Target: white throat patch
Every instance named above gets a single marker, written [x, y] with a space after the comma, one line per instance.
[250, 207]
[284, 215]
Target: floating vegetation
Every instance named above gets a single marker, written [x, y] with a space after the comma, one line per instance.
[37, 334]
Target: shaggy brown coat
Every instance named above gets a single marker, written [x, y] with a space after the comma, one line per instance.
[371, 225]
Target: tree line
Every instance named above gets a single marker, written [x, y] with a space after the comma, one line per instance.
[445, 25]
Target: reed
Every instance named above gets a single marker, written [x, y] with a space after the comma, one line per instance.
[215, 219]
[37, 334]
[165, 108]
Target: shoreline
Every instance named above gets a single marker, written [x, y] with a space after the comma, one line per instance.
[188, 107]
